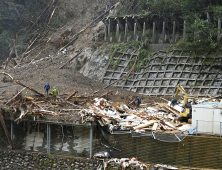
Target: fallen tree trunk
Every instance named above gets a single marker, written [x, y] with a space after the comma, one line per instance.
[72, 94]
[16, 81]
[15, 96]
[105, 94]
[71, 59]
[96, 20]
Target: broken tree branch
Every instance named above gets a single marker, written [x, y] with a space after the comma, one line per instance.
[16, 81]
[6, 74]
[71, 59]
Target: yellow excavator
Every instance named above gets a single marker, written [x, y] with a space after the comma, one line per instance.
[187, 111]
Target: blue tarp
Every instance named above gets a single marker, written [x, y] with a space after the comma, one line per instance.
[210, 103]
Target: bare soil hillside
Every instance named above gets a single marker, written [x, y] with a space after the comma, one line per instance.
[44, 61]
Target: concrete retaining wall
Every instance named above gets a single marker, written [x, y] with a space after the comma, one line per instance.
[198, 74]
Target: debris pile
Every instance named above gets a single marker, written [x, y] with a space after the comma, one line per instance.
[118, 116]
[132, 163]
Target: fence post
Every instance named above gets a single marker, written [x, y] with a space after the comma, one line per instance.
[163, 33]
[126, 32]
[117, 33]
[109, 29]
[91, 140]
[154, 32]
[144, 29]
[135, 32]
[174, 32]
[184, 31]
[219, 30]
[48, 138]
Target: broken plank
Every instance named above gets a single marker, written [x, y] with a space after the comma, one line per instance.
[154, 126]
[151, 122]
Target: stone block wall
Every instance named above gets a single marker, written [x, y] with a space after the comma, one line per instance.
[29, 160]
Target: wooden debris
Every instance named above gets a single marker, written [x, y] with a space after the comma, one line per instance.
[71, 59]
[7, 74]
[96, 20]
[6, 130]
[15, 96]
[105, 94]
[170, 109]
[72, 94]
[154, 126]
[16, 81]
[27, 97]
[149, 123]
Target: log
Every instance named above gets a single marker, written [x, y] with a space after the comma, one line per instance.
[168, 124]
[151, 122]
[105, 94]
[6, 130]
[15, 96]
[72, 94]
[71, 59]
[16, 81]
[35, 57]
[28, 98]
[69, 102]
[212, 98]
[29, 47]
[96, 20]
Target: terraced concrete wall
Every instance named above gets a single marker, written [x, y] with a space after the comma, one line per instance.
[199, 75]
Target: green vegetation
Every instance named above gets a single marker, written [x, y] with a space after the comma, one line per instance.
[19, 20]
[143, 54]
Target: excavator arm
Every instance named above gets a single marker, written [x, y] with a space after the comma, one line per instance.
[180, 88]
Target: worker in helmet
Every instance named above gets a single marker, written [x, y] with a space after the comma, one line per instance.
[55, 93]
